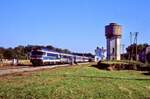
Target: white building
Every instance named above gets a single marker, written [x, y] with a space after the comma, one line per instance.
[100, 54]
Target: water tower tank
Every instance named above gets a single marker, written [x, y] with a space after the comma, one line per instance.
[112, 29]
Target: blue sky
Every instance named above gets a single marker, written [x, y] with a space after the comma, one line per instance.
[77, 25]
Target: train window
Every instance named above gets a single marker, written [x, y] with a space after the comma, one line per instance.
[65, 56]
[53, 56]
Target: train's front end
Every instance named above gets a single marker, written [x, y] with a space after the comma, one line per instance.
[36, 57]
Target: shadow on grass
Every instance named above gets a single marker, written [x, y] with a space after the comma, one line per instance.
[25, 65]
[99, 77]
[30, 65]
[147, 73]
[98, 67]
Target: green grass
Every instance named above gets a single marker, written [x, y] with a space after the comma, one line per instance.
[76, 82]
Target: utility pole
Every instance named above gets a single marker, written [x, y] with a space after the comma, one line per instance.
[130, 37]
[134, 36]
[130, 55]
[123, 46]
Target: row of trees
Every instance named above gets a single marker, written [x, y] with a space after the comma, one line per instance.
[22, 52]
[134, 50]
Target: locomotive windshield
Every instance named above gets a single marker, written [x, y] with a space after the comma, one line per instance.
[37, 53]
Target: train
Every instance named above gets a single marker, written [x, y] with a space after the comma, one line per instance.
[47, 57]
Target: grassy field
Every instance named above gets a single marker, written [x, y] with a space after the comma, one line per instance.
[76, 82]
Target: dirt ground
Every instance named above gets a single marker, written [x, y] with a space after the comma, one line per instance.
[5, 70]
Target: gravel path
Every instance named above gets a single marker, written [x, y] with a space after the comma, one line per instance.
[19, 69]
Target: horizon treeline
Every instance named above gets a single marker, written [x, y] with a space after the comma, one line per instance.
[23, 52]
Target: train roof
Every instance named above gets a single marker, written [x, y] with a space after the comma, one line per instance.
[51, 51]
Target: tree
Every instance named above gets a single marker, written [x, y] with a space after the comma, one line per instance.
[8, 54]
[131, 50]
[1, 52]
[50, 47]
[23, 52]
[19, 52]
[148, 57]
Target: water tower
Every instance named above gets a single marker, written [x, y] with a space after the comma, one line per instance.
[113, 36]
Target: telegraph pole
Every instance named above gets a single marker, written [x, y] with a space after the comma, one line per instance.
[130, 37]
[136, 35]
[123, 46]
[130, 55]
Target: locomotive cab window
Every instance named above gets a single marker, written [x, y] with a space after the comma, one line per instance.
[37, 53]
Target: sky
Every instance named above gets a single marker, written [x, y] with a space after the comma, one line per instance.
[77, 25]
